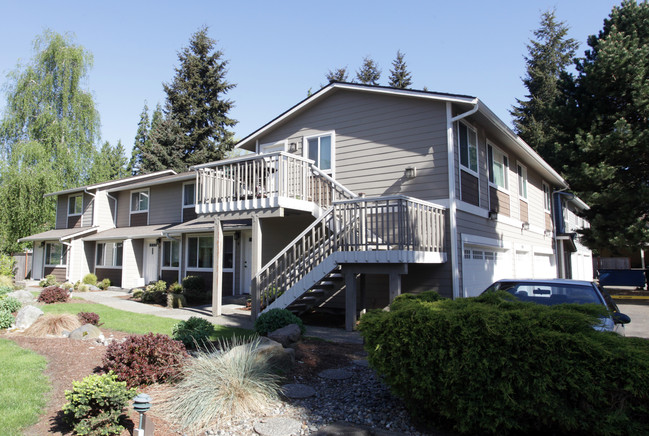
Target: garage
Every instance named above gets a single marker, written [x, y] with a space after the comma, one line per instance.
[483, 265]
[544, 266]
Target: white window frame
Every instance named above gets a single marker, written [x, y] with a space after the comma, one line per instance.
[115, 245]
[523, 181]
[75, 205]
[468, 168]
[198, 268]
[305, 150]
[187, 206]
[272, 145]
[497, 151]
[162, 256]
[64, 256]
[547, 198]
[148, 201]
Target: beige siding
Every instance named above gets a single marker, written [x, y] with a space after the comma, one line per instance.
[376, 138]
[165, 203]
[277, 233]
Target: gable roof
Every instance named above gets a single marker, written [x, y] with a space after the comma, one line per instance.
[109, 183]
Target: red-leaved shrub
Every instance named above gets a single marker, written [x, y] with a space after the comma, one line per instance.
[145, 359]
[88, 318]
[53, 294]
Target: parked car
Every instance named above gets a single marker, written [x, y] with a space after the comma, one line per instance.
[560, 291]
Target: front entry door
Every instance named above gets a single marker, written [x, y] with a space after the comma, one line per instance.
[150, 261]
[246, 254]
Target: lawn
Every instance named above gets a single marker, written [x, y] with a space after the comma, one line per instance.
[129, 322]
[23, 387]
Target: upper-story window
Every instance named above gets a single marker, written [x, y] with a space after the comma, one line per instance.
[54, 254]
[140, 201]
[468, 140]
[522, 182]
[189, 194]
[320, 150]
[547, 198]
[498, 167]
[75, 205]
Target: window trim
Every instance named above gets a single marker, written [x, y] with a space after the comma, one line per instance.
[148, 205]
[70, 198]
[459, 149]
[493, 148]
[305, 150]
[198, 268]
[520, 166]
[64, 256]
[162, 255]
[283, 143]
[547, 197]
[98, 243]
[193, 205]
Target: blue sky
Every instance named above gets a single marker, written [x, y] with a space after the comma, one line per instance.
[279, 50]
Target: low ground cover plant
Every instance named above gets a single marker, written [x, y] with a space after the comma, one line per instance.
[88, 318]
[95, 404]
[6, 319]
[194, 333]
[53, 294]
[275, 319]
[491, 365]
[10, 304]
[145, 359]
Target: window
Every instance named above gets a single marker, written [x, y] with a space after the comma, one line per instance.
[199, 252]
[54, 254]
[170, 254]
[75, 205]
[228, 253]
[522, 182]
[140, 201]
[498, 167]
[547, 199]
[319, 150]
[189, 190]
[468, 140]
[109, 254]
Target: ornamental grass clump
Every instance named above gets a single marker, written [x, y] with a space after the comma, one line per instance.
[53, 324]
[233, 381]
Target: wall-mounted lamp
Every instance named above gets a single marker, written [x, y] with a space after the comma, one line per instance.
[158, 241]
[525, 226]
[410, 173]
[493, 215]
[292, 147]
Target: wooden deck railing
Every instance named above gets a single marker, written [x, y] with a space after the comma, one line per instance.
[361, 224]
[259, 181]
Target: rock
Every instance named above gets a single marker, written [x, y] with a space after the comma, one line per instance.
[86, 331]
[23, 296]
[93, 288]
[27, 316]
[281, 359]
[286, 335]
[278, 426]
[342, 429]
[298, 390]
[176, 301]
[336, 374]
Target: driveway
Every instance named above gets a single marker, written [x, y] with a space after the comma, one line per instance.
[639, 313]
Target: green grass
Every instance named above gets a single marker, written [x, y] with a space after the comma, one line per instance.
[129, 322]
[22, 387]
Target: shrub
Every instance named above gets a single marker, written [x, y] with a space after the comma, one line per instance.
[175, 288]
[6, 319]
[194, 290]
[53, 324]
[194, 331]
[276, 319]
[159, 286]
[90, 279]
[154, 297]
[95, 404]
[7, 264]
[53, 294]
[137, 293]
[67, 286]
[6, 281]
[48, 281]
[145, 359]
[176, 300]
[220, 385]
[4, 290]
[10, 304]
[83, 288]
[88, 318]
[490, 365]
[104, 284]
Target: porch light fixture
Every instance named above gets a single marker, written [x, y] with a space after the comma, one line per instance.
[525, 226]
[292, 147]
[411, 172]
[493, 215]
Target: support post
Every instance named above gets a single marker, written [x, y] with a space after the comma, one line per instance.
[217, 269]
[350, 301]
[395, 285]
[255, 267]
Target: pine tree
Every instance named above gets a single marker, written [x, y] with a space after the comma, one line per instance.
[369, 74]
[196, 103]
[400, 77]
[165, 151]
[606, 121]
[110, 163]
[549, 54]
[337, 75]
[141, 143]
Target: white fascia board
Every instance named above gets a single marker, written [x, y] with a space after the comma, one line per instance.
[110, 183]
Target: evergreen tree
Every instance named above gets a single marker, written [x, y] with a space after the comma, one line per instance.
[606, 119]
[400, 77]
[549, 54]
[165, 151]
[369, 74]
[141, 143]
[196, 103]
[110, 163]
[337, 75]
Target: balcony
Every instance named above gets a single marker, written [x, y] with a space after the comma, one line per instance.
[267, 181]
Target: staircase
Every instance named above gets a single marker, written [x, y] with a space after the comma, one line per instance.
[395, 229]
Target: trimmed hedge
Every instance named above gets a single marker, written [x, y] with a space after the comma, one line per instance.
[492, 365]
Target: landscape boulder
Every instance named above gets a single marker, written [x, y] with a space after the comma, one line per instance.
[86, 331]
[23, 296]
[281, 359]
[286, 335]
[27, 316]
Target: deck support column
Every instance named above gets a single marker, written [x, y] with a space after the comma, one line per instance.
[255, 266]
[350, 300]
[395, 285]
[217, 269]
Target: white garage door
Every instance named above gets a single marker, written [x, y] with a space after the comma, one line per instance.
[524, 265]
[482, 266]
[544, 267]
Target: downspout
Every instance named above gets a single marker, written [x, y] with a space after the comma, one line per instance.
[559, 228]
[450, 142]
